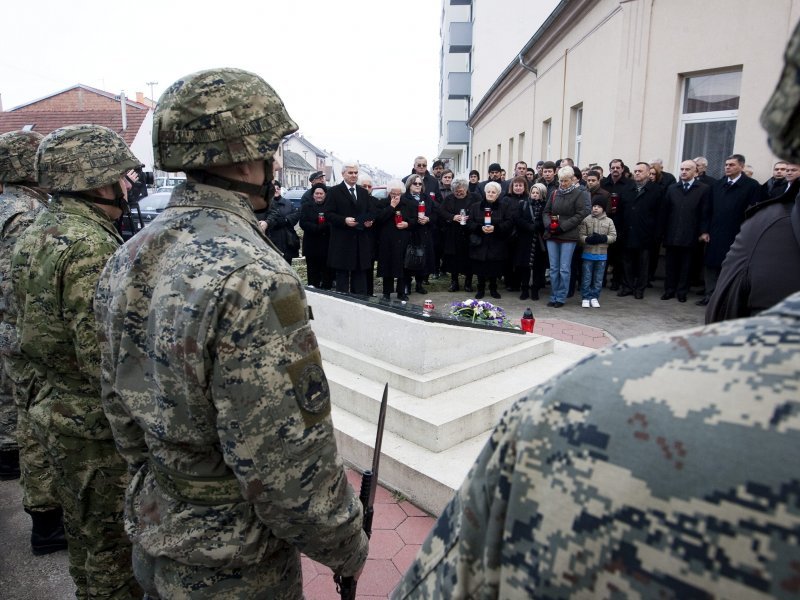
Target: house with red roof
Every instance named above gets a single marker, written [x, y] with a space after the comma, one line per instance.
[132, 119]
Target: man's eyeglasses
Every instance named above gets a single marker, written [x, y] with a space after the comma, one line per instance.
[422, 164]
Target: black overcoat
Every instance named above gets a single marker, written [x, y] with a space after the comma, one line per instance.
[350, 247]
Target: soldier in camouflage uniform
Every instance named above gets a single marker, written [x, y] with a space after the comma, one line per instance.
[20, 203]
[55, 267]
[664, 467]
[212, 378]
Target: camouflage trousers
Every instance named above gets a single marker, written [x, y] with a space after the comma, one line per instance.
[91, 478]
[8, 414]
[36, 477]
[163, 577]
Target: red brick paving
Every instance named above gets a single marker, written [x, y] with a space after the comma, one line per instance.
[399, 527]
[575, 333]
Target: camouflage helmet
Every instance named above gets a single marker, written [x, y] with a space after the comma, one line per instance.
[18, 155]
[781, 116]
[218, 117]
[76, 158]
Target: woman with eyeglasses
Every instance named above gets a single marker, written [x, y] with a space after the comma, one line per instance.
[453, 214]
[397, 218]
[423, 232]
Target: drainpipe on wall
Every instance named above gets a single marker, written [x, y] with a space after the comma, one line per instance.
[533, 112]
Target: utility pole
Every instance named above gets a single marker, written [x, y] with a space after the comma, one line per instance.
[151, 84]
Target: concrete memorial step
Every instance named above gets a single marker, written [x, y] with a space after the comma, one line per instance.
[448, 386]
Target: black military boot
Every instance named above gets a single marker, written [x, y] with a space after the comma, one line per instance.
[9, 465]
[47, 533]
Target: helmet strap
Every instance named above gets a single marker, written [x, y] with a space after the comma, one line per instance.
[266, 191]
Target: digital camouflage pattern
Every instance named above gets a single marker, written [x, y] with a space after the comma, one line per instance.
[218, 117]
[77, 158]
[213, 385]
[55, 267]
[17, 156]
[19, 206]
[781, 115]
[664, 467]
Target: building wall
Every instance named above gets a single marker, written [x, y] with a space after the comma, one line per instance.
[501, 29]
[624, 63]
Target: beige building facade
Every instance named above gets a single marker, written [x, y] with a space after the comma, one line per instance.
[638, 79]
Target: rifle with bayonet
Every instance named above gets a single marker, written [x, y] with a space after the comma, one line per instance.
[346, 586]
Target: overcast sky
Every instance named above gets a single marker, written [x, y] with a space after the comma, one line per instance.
[360, 77]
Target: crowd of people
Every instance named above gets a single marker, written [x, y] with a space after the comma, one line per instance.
[577, 229]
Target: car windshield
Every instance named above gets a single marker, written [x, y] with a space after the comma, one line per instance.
[155, 202]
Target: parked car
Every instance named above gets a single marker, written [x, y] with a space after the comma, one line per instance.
[294, 196]
[149, 208]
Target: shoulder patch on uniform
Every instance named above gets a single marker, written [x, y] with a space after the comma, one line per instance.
[290, 310]
[311, 388]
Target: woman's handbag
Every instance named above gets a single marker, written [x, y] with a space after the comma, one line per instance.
[415, 257]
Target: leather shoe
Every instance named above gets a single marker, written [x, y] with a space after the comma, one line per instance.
[667, 296]
[681, 297]
[495, 294]
[702, 302]
[480, 294]
[623, 293]
[558, 304]
[386, 297]
[420, 290]
[638, 295]
[453, 287]
[467, 288]
[551, 303]
[402, 297]
[614, 287]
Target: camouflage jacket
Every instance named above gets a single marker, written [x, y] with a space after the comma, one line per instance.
[19, 206]
[664, 467]
[213, 385]
[55, 267]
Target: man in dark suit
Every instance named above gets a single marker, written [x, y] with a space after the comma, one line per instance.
[683, 209]
[638, 216]
[349, 210]
[617, 186]
[723, 217]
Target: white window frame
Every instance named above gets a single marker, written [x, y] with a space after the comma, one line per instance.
[547, 138]
[700, 117]
[578, 134]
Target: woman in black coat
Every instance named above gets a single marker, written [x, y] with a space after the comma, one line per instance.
[423, 232]
[394, 236]
[453, 214]
[516, 192]
[281, 219]
[488, 249]
[531, 255]
[316, 239]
